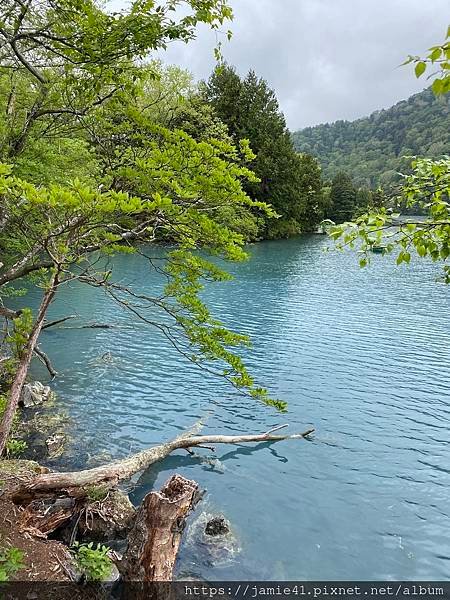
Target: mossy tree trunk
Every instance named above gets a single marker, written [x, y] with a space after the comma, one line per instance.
[24, 362]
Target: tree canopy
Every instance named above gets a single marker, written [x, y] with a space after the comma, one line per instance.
[438, 61]
[93, 162]
[375, 149]
[288, 181]
[64, 58]
[343, 199]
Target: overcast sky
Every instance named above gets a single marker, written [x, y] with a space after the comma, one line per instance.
[326, 59]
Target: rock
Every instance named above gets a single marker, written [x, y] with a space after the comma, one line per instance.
[36, 447]
[35, 394]
[55, 444]
[43, 430]
[217, 526]
[113, 576]
[211, 550]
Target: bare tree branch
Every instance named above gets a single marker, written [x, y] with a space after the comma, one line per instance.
[8, 313]
[57, 322]
[74, 482]
[45, 359]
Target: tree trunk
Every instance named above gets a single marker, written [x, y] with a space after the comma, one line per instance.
[22, 370]
[17, 143]
[108, 475]
[156, 534]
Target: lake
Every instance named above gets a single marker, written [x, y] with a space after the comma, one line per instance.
[360, 354]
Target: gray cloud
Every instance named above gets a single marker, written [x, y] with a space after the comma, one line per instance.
[326, 59]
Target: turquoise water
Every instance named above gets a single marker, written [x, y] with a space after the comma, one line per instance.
[362, 355]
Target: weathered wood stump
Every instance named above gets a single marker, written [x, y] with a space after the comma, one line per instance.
[155, 537]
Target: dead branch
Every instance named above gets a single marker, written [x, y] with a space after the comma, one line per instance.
[97, 326]
[74, 482]
[46, 516]
[45, 359]
[57, 322]
[8, 313]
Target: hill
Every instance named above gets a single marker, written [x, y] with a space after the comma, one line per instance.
[372, 149]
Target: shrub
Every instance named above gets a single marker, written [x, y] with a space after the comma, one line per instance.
[10, 562]
[15, 448]
[94, 562]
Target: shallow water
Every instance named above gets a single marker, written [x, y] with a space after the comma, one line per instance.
[362, 355]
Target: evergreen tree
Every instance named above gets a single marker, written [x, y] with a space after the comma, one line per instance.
[378, 198]
[343, 198]
[251, 111]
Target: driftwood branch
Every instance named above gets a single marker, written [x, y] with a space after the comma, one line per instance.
[45, 359]
[111, 473]
[57, 322]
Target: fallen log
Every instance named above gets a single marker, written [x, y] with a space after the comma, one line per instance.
[46, 516]
[156, 534]
[75, 483]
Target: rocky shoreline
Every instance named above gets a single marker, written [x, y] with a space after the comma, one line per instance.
[46, 530]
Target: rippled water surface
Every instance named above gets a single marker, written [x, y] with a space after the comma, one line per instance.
[362, 355]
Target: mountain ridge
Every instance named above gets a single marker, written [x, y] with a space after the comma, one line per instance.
[374, 149]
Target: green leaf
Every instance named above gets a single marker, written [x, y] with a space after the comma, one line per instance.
[436, 54]
[437, 86]
[420, 68]
[409, 60]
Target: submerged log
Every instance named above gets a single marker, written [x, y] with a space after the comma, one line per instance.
[110, 474]
[57, 322]
[154, 540]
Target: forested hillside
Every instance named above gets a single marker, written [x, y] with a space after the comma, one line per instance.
[372, 149]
